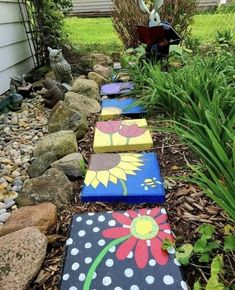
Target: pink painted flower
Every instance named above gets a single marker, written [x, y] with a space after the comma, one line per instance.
[131, 131]
[109, 127]
[145, 231]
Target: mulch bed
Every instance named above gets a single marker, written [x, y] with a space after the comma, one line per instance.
[186, 205]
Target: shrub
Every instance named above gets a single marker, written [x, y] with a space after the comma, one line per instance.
[127, 15]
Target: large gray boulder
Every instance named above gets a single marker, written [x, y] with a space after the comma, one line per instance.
[41, 164]
[81, 103]
[87, 88]
[61, 143]
[72, 165]
[52, 186]
[21, 256]
[63, 117]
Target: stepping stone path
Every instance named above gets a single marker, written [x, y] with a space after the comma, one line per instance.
[126, 135]
[112, 108]
[116, 88]
[126, 177]
[121, 250]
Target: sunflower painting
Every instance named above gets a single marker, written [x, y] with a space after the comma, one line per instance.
[121, 250]
[120, 177]
[126, 135]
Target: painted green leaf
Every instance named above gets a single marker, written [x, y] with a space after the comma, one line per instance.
[229, 243]
[184, 253]
[206, 231]
[197, 285]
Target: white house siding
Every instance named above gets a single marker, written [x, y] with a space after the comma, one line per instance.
[15, 54]
[92, 6]
[98, 7]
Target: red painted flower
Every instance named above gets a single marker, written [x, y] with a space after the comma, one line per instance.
[109, 127]
[145, 230]
[131, 131]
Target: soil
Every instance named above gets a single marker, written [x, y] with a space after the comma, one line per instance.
[186, 205]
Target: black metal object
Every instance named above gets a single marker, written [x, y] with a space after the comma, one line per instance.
[28, 10]
[158, 40]
[26, 18]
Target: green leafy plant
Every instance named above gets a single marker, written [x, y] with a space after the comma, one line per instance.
[200, 99]
[225, 37]
[205, 245]
[206, 251]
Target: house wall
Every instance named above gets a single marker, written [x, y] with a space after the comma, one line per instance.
[97, 7]
[92, 6]
[15, 55]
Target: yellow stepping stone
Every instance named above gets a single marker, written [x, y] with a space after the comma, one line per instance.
[122, 135]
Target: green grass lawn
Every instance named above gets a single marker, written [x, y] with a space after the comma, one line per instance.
[92, 33]
[99, 34]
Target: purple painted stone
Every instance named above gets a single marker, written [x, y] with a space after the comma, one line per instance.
[116, 88]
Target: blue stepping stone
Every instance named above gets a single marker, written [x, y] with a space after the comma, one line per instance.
[112, 108]
[121, 251]
[116, 88]
[124, 177]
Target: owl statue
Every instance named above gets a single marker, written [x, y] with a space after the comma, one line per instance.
[60, 66]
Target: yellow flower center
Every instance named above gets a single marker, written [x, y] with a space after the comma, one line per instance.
[144, 227]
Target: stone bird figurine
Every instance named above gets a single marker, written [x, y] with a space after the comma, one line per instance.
[60, 66]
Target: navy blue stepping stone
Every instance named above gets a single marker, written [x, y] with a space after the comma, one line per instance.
[121, 251]
[112, 108]
[118, 88]
[124, 177]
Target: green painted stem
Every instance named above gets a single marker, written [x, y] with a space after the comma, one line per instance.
[127, 140]
[111, 139]
[99, 259]
[124, 187]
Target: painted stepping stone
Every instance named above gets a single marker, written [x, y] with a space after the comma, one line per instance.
[116, 88]
[121, 251]
[117, 65]
[126, 135]
[124, 177]
[112, 108]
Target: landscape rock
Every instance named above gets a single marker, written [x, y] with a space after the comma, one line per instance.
[41, 164]
[87, 88]
[102, 70]
[102, 59]
[72, 165]
[81, 103]
[53, 186]
[64, 117]
[21, 257]
[42, 216]
[4, 217]
[99, 79]
[54, 93]
[61, 143]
